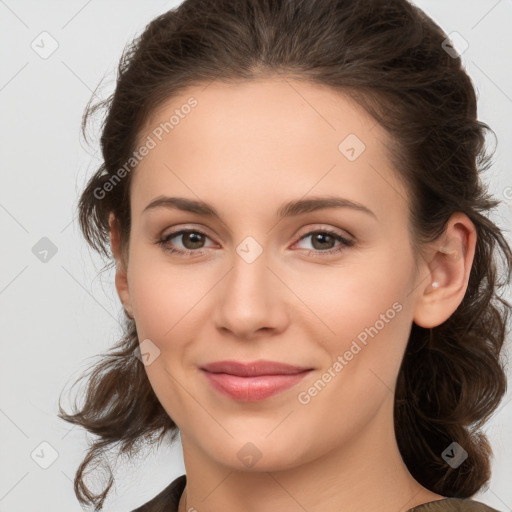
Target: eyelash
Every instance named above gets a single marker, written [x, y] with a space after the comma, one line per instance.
[164, 243]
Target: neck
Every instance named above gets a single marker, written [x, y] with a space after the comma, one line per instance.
[362, 475]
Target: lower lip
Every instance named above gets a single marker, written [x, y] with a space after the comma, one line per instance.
[251, 389]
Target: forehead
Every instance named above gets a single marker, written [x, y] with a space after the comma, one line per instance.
[265, 138]
[270, 105]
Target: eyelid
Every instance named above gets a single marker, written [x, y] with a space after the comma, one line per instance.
[327, 228]
[173, 230]
[303, 232]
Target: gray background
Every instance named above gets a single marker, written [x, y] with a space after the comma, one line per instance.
[56, 316]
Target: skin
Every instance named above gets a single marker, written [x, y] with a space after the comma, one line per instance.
[246, 149]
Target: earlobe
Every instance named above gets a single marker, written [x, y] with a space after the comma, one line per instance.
[121, 278]
[447, 270]
[432, 286]
[123, 291]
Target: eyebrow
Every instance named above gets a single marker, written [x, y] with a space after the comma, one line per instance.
[289, 209]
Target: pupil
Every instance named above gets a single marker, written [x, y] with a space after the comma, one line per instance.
[188, 235]
[319, 237]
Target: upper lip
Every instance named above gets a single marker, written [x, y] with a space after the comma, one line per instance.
[253, 368]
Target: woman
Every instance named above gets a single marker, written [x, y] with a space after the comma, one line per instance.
[291, 195]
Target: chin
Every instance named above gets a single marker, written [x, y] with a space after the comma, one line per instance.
[251, 455]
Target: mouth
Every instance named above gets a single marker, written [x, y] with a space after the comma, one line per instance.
[249, 382]
[254, 368]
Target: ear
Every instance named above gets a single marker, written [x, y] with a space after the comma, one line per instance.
[447, 267]
[121, 278]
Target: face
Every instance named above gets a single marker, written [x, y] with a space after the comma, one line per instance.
[328, 289]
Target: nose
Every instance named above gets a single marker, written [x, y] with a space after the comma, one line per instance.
[251, 299]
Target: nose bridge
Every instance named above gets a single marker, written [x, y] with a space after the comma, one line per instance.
[249, 279]
[250, 296]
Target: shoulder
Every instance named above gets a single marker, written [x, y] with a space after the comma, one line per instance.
[453, 505]
[167, 500]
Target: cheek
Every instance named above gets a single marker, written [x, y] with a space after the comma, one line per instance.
[348, 299]
[165, 300]
[364, 355]
[164, 295]
[368, 314]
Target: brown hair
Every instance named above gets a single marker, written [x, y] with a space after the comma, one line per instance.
[388, 56]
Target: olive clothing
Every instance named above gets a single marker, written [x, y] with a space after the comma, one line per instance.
[169, 498]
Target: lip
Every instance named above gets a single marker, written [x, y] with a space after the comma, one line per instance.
[253, 368]
[250, 382]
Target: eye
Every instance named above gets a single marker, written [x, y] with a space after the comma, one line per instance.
[322, 241]
[191, 238]
[193, 241]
